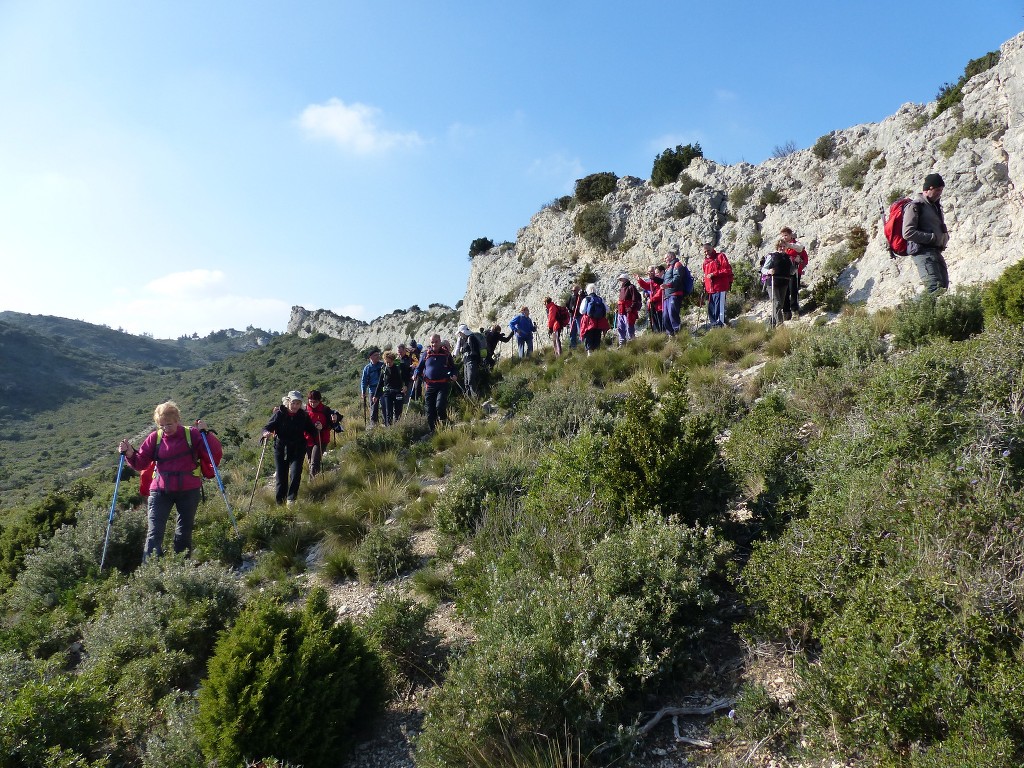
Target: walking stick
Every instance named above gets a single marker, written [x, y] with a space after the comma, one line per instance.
[220, 483]
[258, 468]
[365, 422]
[113, 506]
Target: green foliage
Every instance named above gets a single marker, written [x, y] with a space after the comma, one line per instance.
[951, 94]
[480, 245]
[397, 629]
[682, 209]
[477, 486]
[857, 242]
[299, 685]
[670, 163]
[385, 552]
[594, 187]
[687, 183]
[173, 743]
[970, 129]
[770, 196]
[896, 193]
[739, 195]
[50, 719]
[572, 651]
[1004, 298]
[954, 316]
[855, 172]
[593, 224]
[824, 147]
[828, 293]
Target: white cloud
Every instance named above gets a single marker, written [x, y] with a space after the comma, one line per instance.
[353, 127]
[189, 313]
[186, 283]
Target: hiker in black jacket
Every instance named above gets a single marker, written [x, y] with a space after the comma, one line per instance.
[290, 426]
[924, 229]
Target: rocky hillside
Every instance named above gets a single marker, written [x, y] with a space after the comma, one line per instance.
[977, 146]
[385, 331]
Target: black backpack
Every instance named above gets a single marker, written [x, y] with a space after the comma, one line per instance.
[782, 264]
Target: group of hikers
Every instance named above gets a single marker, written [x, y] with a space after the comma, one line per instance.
[170, 458]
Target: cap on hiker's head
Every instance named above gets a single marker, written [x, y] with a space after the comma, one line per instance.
[373, 352]
[464, 329]
[933, 180]
[624, 276]
[294, 395]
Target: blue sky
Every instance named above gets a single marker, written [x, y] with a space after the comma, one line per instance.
[181, 167]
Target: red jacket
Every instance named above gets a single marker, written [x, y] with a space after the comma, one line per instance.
[799, 258]
[320, 415]
[587, 323]
[556, 323]
[653, 288]
[717, 273]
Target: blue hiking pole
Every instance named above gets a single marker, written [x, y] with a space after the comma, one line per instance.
[113, 506]
[220, 483]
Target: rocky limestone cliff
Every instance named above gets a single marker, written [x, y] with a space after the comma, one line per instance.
[982, 202]
[384, 332]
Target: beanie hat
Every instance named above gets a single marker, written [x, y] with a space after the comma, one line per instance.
[933, 180]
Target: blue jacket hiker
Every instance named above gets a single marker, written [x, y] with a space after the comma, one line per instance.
[522, 326]
[368, 384]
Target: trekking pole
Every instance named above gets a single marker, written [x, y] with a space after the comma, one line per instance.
[364, 412]
[220, 483]
[257, 480]
[110, 517]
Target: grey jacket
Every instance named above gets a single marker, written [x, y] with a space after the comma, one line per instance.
[924, 227]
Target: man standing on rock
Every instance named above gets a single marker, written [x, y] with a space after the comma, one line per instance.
[924, 229]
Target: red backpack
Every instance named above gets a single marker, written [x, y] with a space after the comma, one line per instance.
[894, 228]
[562, 316]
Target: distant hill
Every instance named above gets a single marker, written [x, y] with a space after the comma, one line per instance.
[70, 389]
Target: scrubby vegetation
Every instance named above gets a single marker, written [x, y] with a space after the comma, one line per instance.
[670, 163]
[951, 94]
[645, 527]
[594, 187]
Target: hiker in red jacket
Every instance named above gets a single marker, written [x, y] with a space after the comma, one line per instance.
[717, 282]
[798, 255]
[324, 420]
[558, 318]
[651, 286]
[628, 308]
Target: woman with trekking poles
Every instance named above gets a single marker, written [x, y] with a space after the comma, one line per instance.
[172, 452]
[290, 426]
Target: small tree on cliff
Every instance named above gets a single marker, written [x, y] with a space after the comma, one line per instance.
[480, 245]
[670, 163]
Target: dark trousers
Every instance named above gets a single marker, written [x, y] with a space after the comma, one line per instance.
[288, 458]
[792, 303]
[436, 398]
[471, 373]
[592, 339]
[392, 404]
[780, 297]
[574, 332]
[932, 269]
[159, 509]
[655, 320]
[315, 454]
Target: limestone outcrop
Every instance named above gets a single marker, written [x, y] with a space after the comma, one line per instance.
[977, 146]
[384, 332]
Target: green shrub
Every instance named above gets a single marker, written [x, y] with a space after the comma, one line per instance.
[397, 629]
[557, 414]
[475, 487]
[480, 245]
[384, 553]
[573, 651]
[670, 163]
[51, 716]
[739, 195]
[299, 685]
[824, 147]
[951, 94]
[857, 242]
[593, 224]
[1004, 298]
[954, 316]
[828, 293]
[173, 743]
[594, 187]
[687, 183]
[970, 129]
[770, 196]
[854, 172]
[682, 209]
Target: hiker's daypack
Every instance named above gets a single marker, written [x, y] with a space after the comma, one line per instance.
[633, 300]
[596, 309]
[894, 228]
[562, 316]
[781, 263]
[681, 280]
[201, 457]
[481, 341]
